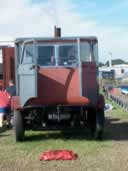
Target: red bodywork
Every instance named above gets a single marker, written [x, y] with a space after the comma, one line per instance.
[59, 85]
[8, 65]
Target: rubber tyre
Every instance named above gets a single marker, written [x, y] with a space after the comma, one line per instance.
[100, 120]
[18, 126]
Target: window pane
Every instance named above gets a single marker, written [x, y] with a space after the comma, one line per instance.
[68, 55]
[28, 54]
[95, 50]
[85, 53]
[46, 56]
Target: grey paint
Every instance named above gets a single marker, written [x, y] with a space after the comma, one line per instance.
[27, 88]
[27, 77]
[28, 82]
[16, 67]
[21, 40]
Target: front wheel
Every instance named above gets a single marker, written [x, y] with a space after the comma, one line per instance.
[18, 126]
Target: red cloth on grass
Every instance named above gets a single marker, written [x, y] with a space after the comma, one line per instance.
[58, 155]
[5, 99]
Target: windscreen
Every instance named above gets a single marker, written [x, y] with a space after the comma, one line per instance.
[68, 55]
[46, 56]
[57, 55]
[60, 54]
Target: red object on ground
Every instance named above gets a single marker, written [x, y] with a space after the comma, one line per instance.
[58, 155]
[115, 91]
[4, 99]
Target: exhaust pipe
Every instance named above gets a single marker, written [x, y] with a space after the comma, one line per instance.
[57, 32]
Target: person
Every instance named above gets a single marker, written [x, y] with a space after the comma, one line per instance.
[5, 100]
[11, 89]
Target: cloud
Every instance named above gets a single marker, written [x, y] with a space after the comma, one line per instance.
[22, 18]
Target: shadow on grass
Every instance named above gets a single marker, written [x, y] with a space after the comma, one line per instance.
[2, 132]
[115, 129]
[4, 135]
[3, 129]
[65, 135]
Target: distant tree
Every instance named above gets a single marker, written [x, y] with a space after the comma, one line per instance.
[101, 64]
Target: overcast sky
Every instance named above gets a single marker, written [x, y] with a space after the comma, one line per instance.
[108, 20]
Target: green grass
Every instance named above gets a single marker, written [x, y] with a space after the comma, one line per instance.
[25, 155]
[117, 110]
[41, 141]
[92, 155]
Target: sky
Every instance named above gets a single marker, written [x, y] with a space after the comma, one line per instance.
[108, 20]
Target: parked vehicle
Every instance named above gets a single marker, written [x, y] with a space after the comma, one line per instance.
[56, 85]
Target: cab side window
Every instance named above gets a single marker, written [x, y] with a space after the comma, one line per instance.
[28, 55]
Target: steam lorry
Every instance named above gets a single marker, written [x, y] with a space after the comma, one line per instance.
[57, 85]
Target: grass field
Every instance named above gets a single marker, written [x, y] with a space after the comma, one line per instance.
[111, 154]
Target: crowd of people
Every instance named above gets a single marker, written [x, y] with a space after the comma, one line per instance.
[5, 103]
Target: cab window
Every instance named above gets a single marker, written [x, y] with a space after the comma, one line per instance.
[28, 56]
[46, 56]
[68, 55]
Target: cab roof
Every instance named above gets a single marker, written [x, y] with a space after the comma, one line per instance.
[56, 39]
